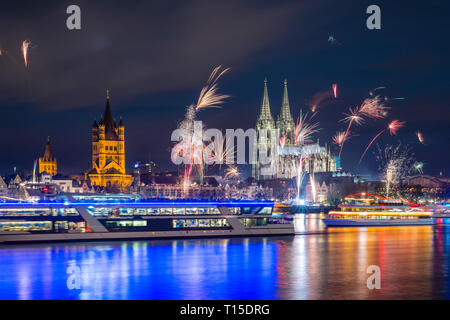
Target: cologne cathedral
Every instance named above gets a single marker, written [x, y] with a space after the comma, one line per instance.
[276, 158]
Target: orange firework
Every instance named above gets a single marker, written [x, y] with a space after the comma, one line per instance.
[25, 46]
[420, 137]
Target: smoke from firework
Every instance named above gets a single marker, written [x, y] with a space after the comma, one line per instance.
[318, 99]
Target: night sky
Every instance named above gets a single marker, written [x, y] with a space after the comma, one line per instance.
[155, 57]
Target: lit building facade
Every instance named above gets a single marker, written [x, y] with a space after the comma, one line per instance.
[108, 153]
[277, 153]
[47, 163]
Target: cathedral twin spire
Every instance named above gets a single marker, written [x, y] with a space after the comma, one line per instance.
[285, 122]
[285, 114]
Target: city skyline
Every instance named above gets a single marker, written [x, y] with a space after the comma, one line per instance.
[64, 107]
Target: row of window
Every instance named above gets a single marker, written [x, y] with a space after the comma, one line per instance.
[107, 212]
[200, 223]
[59, 226]
[26, 226]
[253, 222]
[38, 212]
[126, 224]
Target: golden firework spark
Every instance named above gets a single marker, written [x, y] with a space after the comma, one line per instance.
[25, 45]
[208, 96]
[420, 137]
[232, 172]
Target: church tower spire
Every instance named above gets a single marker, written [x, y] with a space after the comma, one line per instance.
[108, 153]
[47, 163]
[285, 122]
[285, 107]
[264, 134]
[265, 119]
[48, 151]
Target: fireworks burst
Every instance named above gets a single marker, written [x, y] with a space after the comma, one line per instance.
[218, 151]
[352, 117]
[373, 108]
[340, 138]
[392, 127]
[395, 164]
[232, 172]
[304, 129]
[25, 46]
[208, 96]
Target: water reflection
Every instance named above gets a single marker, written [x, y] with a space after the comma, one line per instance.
[327, 265]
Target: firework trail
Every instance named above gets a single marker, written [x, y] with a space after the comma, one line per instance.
[352, 117]
[283, 140]
[318, 99]
[393, 127]
[420, 137]
[335, 90]
[387, 99]
[313, 186]
[378, 88]
[25, 46]
[304, 129]
[192, 146]
[395, 163]
[297, 164]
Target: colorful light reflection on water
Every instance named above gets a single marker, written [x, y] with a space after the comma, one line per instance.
[414, 263]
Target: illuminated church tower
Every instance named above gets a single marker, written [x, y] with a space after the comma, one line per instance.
[285, 122]
[287, 152]
[47, 163]
[108, 153]
[265, 126]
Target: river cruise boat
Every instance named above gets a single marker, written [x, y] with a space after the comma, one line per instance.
[364, 209]
[104, 217]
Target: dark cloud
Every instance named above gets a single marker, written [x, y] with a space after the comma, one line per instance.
[140, 48]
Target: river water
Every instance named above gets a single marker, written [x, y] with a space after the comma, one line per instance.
[324, 264]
